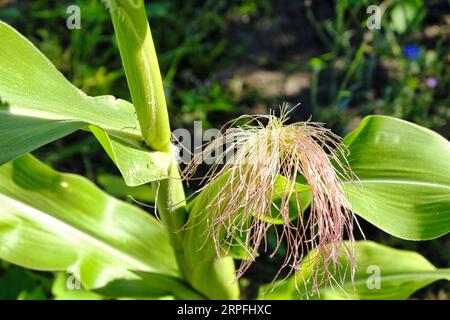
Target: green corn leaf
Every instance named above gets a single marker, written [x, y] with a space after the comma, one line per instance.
[31, 87]
[137, 164]
[116, 186]
[38, 105]
[21, 134]
[148, 286]
[404, 173]
[383, 273]
[178, 288]
[62, 222]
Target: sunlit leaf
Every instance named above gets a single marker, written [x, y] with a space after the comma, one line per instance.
[137, 164]
[39, 105]
[22, 134]
[62, 222]
[404, 173]
[383, 273]
[116, 186]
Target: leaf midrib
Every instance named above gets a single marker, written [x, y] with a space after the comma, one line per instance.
[400, 181]
[53, 116]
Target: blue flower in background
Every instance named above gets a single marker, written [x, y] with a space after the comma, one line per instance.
[411, 51]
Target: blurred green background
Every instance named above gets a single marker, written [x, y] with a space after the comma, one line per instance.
[221, 59]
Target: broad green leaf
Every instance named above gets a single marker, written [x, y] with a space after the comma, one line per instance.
[137, 164]
[62, 222]
[38, 105]
[151, 285]
[404, 173]
[21, 134]
[147, 286]
[32, 86]
[383, 273]
[116, 186]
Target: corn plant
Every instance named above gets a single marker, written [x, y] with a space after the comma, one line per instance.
[299, 179]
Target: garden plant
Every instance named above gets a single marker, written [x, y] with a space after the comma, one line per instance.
[297, 180]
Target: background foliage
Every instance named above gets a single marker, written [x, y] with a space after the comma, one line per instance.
[223, 58]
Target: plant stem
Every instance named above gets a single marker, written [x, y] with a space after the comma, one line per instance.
[141, 67]
[171, 202]
[144, 80]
